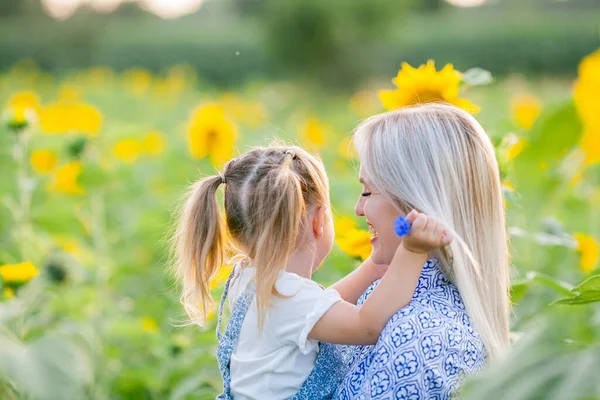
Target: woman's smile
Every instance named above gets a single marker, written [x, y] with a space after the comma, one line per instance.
[373, 232]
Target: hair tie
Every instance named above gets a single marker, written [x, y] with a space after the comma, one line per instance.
[223, 180]
[291, 153]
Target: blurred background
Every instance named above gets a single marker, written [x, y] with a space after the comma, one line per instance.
[110, 108]
[338, 43]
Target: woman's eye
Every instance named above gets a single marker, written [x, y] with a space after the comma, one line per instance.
[365, 194]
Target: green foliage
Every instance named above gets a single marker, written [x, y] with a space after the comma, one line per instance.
[587, 292]
[322, 39]
[102, 319]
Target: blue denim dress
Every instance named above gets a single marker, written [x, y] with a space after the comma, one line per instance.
[322, 383]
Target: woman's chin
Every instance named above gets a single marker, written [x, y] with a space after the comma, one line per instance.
[378, 256]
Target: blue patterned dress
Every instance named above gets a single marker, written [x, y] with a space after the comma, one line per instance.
[424, 351]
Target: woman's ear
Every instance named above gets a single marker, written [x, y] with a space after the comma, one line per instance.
[318, 221]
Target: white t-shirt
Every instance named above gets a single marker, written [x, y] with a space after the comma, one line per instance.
[274, 365]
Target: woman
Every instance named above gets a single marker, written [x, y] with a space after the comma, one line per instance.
[438, 160]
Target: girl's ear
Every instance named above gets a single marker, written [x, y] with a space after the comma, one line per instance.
[318, 221]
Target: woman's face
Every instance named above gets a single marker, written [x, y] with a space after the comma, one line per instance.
[380, 215]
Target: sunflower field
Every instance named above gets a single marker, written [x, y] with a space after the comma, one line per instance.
[94, 162]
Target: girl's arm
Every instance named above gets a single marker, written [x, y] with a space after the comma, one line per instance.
[345, 323]
[353, 285]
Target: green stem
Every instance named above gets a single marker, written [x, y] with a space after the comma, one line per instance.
[103, 274]
[24, 193]
[99, 237]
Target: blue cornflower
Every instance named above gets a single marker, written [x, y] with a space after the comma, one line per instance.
[401, 226]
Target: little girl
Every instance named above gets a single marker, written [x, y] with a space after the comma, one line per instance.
[278, 217]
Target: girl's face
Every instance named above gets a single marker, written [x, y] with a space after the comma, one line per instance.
[380, 215]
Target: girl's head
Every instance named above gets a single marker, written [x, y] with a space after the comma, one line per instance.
[437, 159]
[276, 203]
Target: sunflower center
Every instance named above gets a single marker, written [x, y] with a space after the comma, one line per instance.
[211, 139]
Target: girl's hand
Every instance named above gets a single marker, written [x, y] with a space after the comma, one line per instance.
[426, 234]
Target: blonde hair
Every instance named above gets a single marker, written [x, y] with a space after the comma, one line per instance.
[437, 159]
[267, 194]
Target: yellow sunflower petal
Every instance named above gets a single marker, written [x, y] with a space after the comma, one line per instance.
[222, 147]
[393, 99]
[153, 143]
[516, 148]
[587, 86]
[465, 105]
[43, 161]
[590, 251]
[127, 150]
[18, 273]
[65, 177]
[590, 143]
[525, 110]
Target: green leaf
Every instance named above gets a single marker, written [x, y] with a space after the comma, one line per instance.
[587, 292]
[554, 133]
[591, 284]
[477, 77]
[51, 367]
[591, 296]
[545, 280]
[517, 291]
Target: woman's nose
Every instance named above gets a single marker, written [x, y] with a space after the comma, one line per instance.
[359, 209]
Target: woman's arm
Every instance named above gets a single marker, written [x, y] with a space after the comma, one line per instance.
[345, 323]
[353, 285]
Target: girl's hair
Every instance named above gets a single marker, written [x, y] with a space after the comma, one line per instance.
[437, 159]
[267, 194]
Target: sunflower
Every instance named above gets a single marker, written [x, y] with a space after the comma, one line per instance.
[64, 117]
[425, 85]
[351, 240]
[153, 143]
[589, 249]
[525, 110]
[211, 134]
[65, 178]
[127, 150]
[221, 276]
[313, 135]
[21, 109]
[587, 103]
[18, 273]
[43, 161]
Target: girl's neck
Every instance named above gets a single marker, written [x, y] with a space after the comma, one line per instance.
[301, 263]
